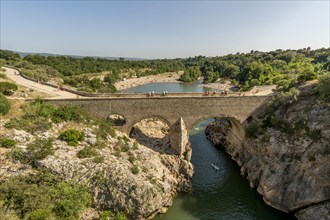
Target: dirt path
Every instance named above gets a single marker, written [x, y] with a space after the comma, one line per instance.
[52, 93]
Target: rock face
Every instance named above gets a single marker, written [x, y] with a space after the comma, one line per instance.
[140, 194]
[290, 171]
[124, 175]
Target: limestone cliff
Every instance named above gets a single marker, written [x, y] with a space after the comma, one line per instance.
[124, 175]
[291, 170]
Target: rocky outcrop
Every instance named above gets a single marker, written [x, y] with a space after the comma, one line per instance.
[124, 175]
[290, 171]
[319, 211]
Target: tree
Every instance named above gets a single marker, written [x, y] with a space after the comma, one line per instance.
[210, 77]
[231, 71]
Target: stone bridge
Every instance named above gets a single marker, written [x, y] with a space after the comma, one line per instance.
[192, 109]
[181, 113]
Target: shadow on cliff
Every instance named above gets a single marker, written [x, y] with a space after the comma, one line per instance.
[160, 145]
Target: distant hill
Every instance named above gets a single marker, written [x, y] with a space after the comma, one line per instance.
[23, 54]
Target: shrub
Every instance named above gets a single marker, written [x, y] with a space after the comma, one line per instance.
[35, 118]
[39, 214]
[314, 134]
[135, 145]
[107, 215]
[323, 88]
[38, 109]
[7, 143]
[252, 130]
[124, 148]
[135, 169]
[105, 128]
[311, 158]
[39, 149]
[125, 138]
[120, 216]
[70, 199]
[42, 196]
[71, 137]
[32, 125]
[99, 159]
[284, 99]
[7, 86]
[16, 154]
[86, 152]
[66, 113]
[3, 76]
[4, 105]
[131, 158]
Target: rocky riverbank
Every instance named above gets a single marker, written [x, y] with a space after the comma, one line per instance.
[291, 170]
[123, 175]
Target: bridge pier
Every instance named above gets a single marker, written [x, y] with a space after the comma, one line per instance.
[179, 139]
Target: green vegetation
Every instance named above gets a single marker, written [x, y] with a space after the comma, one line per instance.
[9, 55]
[323, 88]
[131, 158]
[86, 152]
[4, 105]
[71, 137]
[285, 67]
[83, 83]
[35, 118]
[252, 130]
[66, 113]
[190, 74]
[98, 159]
[314, 134]
[7, 143]
[39, 115]
[37, 150]
[277, 108]
[42, 196]
[105, 128]
[106, 215]
[7, 88]
[3, 76]
[135, 169]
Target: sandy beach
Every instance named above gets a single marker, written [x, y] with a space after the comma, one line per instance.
[219, 86]
[160, 78]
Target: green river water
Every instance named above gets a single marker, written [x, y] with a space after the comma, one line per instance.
[217, 194]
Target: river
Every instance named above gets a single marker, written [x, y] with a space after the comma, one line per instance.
[217, 194]
[170, 87]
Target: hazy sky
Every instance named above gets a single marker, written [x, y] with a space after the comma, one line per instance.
[162, 29]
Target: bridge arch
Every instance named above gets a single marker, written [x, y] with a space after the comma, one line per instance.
[131, 125]
[237, 127]
[205, 117]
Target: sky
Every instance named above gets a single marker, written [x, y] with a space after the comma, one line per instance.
[162, 29]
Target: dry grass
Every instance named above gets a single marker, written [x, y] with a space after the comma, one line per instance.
[15, 109]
